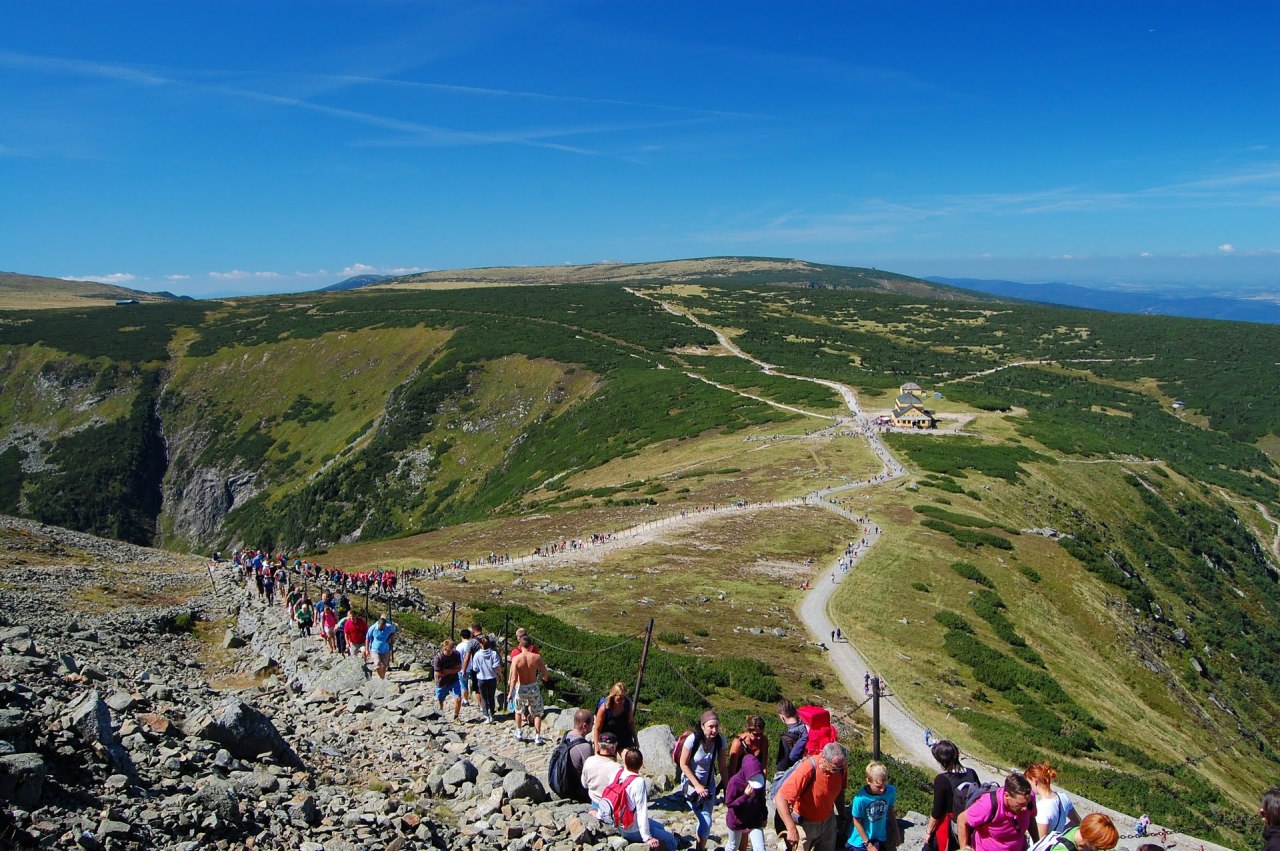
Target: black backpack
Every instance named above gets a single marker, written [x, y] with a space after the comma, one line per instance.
[564, 781]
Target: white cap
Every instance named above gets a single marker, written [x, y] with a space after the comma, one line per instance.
[756, 781]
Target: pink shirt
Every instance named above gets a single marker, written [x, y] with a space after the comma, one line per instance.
[999, 830]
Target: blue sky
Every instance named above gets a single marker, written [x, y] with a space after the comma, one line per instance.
[228, 147]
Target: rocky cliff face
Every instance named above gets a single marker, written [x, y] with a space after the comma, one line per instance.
[195, 506]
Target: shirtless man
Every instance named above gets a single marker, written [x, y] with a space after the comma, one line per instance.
[527, 668]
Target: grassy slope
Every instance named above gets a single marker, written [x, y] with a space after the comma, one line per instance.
[250, 383]
[41, 390]
[32, 292]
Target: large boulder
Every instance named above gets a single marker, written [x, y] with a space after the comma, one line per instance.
[90, 719]
[22, 779]
[522, 786]
[242, 730]
[460, 772]
[655, 744]
[347, 675]
[215, 796]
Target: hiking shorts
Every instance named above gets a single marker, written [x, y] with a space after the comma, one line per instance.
[530, 698]
[454, 689]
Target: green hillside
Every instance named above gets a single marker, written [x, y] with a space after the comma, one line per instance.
[418, 422]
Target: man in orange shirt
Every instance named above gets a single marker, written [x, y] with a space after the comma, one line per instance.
[810, 798]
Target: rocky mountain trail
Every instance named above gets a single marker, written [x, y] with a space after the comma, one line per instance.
[112, 736]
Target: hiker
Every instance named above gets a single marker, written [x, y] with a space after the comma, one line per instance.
[465, 645]
[477, 632]
[600, 768]
[941, 828]
[303, 614]
[751, 740]
[614, 714]
[809, 798]
[1095, 833]
[792, 743]
[527, 668]
[521, 632]
[1270, 812]
[380, 642]
[356, 629]
[746, 804]
[701, 761]
[874, 817]
[328, 623]
[1054, 811]
[483, 665]
[447, 664]
[577, 750]
[636, 789]
[340, 633]
[1000, 820]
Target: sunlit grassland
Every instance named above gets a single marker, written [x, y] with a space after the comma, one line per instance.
[769, 462]
[1073, 620]
[735, 570]
[244, 384]
[507, 395]
[693, 471]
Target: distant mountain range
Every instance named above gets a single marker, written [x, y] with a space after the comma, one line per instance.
[1071, 295]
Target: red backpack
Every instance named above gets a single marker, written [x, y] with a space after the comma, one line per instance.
[615, 806]
[821, 733]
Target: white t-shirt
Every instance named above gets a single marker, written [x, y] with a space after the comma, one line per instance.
[597, 773]
[467, 645]
[1054, 811]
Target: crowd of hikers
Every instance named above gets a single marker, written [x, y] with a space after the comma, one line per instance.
[798, 791]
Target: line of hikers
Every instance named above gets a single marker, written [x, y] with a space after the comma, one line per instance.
[599, 763]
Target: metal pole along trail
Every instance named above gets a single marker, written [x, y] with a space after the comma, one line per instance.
[453, 621]
[644, 658]
[875, 718]
[506, 626]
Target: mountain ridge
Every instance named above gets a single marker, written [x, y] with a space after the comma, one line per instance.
[34, 292]
[1125, 301]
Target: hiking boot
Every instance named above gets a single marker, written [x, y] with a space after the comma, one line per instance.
[537, 739]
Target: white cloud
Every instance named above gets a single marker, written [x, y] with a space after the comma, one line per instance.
[176, 277]
[1227, 248]
[404, 270]
[358, 269]
[113, 278]
[1145, 254]
[241, 275]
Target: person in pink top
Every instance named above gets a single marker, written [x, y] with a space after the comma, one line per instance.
[328, 622]
[999, 820]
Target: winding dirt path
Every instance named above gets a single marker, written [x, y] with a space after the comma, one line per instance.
[814, 609]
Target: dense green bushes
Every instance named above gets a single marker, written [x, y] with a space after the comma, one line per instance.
[968, 537]
[106, 479]
[972, 573]
[592, 662]
[11, 479]
[954, 455]
[138, 333]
